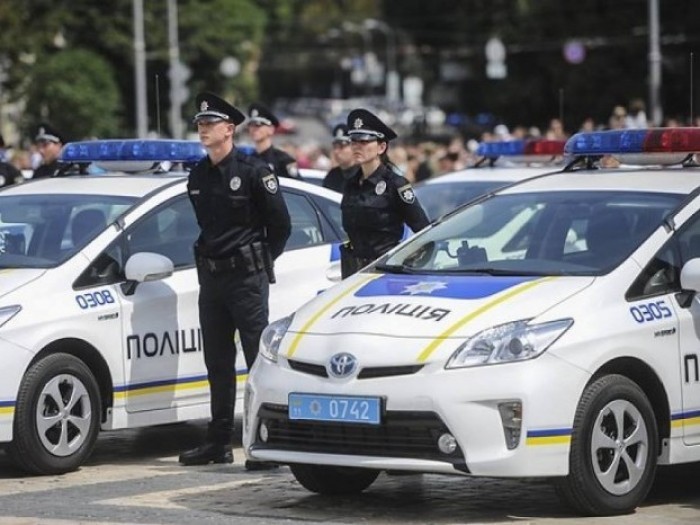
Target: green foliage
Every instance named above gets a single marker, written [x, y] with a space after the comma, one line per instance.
[76, 92]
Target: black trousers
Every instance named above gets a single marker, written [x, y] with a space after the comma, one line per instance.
[229, 302]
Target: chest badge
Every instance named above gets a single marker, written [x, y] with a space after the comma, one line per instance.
[235, 183]
[381, 187]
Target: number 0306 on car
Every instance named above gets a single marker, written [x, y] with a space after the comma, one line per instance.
[346, 409]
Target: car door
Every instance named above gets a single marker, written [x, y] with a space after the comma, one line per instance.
[162, 345]
[301, 271]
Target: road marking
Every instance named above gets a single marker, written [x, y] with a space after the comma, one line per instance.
[166, 499]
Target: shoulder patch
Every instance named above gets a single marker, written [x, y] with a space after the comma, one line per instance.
[406, 194]
[270, 183]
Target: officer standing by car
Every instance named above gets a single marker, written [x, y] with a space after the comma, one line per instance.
[377, 201]
[49, 142]
[261, 128]
[342, 155]
[244, 225]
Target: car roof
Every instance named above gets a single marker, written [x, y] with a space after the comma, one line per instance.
[655, 180]
[486, 173]
[130, 185]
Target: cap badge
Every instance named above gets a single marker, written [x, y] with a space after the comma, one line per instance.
[381, 187]
[254, 113]
[339, 133]
[358, 123]
[204, 106]
[42, 131]
[235, 183]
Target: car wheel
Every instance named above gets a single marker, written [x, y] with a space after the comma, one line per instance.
[57, 416]
[614, 449]
[328, 480]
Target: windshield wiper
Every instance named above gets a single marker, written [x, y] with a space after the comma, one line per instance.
[495, 271]
[394, 268]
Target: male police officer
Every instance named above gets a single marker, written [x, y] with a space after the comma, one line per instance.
[49, 142]
[244, 226]
[261, 127]
[343, 157]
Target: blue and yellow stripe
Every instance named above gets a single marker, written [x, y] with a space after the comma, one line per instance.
[549, 436]
[179, 384]
[7, 408]
[684, 419]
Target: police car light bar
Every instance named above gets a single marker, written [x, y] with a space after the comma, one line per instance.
[147, 150]
[654, 140]
[521, 148]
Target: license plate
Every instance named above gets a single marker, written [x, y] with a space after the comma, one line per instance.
[345, 409]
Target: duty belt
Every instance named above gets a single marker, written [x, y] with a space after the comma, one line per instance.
[220, 265]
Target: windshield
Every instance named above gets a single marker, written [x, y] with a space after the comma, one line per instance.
[548, 233]
[441, 198]
[42, 231]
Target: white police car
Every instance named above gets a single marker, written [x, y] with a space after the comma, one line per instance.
[578, 362]
[99, 323]
[501, 163]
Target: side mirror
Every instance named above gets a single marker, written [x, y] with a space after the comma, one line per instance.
[333, 272]
[690, 275]
[143, 267]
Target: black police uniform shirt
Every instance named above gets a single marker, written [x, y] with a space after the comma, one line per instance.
[46, 170]
[237, 202]
[9, 174]
[375, 210]
[280, 162]
[336, 178]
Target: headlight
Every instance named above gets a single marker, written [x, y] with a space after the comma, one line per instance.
[516, 341]
[8, 312]
[272, 337]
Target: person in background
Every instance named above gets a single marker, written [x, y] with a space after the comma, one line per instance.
[343, 158]
[377, 201]
[261, 127]
[9, 174]
[244, 225]
[49, 142]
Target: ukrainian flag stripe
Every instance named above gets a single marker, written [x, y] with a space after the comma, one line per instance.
[169, 385]
[476, 313]
[7, 410]
[549, 436]
[315, 317]
[683, 419]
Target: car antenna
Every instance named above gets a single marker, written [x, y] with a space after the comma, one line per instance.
[157, 106]
[690, 122]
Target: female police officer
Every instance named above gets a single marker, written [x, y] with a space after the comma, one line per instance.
[376, 200]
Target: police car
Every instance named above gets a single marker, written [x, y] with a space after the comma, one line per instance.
[500, 163]
[99, 323]
[578, 361]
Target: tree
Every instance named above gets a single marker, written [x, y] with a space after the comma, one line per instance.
[80, 101]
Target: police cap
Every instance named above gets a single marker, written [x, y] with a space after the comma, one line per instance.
[211, 107]
[340, 134]
[364, 125]
[47, 133]
[259, 114]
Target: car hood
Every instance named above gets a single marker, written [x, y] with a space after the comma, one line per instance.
[430, 306]
[12, 279]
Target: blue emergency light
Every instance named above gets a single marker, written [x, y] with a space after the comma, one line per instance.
[630, 141]
[146, 150]
[520, 148]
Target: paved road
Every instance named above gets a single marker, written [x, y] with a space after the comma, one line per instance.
[134, 477]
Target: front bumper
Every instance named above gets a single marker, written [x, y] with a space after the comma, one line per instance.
[419, 407]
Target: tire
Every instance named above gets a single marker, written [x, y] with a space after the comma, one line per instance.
[57, 416]
[614, 449]
[333, 481]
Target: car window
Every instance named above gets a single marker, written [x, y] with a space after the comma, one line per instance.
[441, 198]
[42, 231]
[306, 228]
[332, 219]
[170, 230]
[548, 233]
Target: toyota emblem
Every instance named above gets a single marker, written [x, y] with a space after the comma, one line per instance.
[342, 365]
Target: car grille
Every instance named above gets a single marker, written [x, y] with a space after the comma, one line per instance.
[402, 434]
[365, 373]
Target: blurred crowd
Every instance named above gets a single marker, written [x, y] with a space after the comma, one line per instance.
[417, 159]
